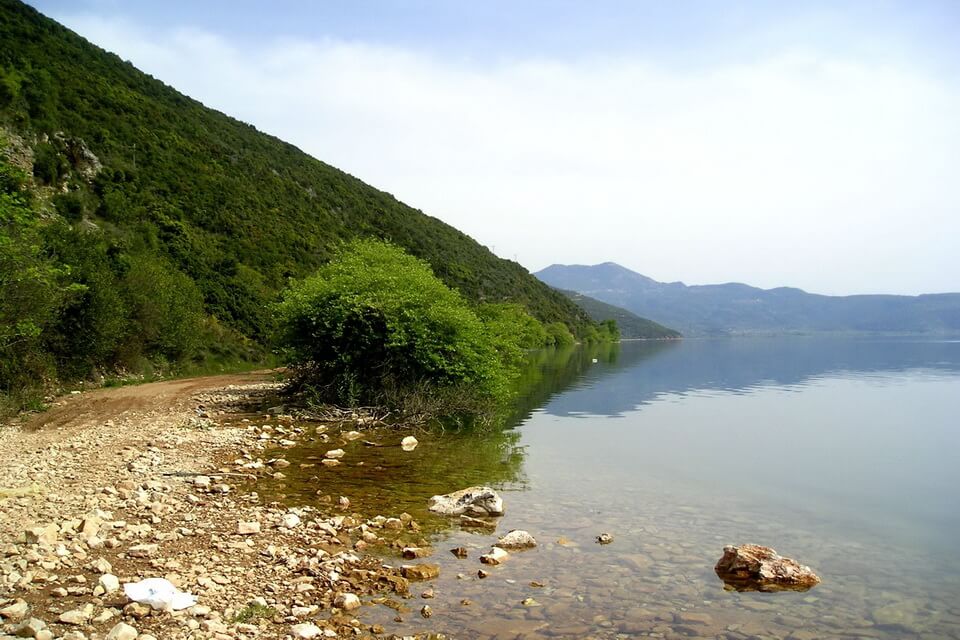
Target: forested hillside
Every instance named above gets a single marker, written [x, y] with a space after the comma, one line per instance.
[630, 324]
[160, 227]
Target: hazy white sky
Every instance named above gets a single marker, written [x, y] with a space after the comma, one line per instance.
[707, 142]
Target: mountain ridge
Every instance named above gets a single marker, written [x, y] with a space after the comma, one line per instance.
[737, 308]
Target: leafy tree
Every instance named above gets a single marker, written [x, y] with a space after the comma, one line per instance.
[559, 335]
[33, 287]
[376, 318]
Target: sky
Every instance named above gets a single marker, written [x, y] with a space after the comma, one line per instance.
[812, 144]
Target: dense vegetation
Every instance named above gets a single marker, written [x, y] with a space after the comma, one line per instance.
[630, 324]
[154, 230]
[739, 309]
[376, 326]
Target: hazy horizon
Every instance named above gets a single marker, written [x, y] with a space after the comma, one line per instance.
[808, 146]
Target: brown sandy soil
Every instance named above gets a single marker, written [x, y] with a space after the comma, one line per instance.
[116, 485]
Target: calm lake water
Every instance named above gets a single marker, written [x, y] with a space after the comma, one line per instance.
[843, 454]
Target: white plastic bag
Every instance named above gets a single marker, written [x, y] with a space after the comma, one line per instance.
[160, 594]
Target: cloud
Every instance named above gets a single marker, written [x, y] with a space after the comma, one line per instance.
[833, 173]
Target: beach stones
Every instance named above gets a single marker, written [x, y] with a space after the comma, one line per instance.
[752, 567]
[516, 539]
[472, 501]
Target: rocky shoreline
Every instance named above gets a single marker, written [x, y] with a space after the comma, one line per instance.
[163, 488]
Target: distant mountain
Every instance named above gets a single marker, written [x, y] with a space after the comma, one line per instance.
[630, 324]
[736, 309]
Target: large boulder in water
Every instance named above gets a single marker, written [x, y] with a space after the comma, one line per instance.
[473, 501]
[751, 567]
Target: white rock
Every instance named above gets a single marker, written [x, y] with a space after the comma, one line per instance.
[142, 550]
[291, 521]
[77, 616]
[495, 556]
[334, 453]
[517, 539]
[109, 582]
[409, 443]
[248, 528]
[346, 601]
[472, 501]
[16, 611]
[306, 630]
[122, 631]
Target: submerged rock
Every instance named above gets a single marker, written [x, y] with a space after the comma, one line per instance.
[473, 501]
[751, 567]
[409, 443]
[604, 538]
[517, 539]
[420, 571]
[495, 556]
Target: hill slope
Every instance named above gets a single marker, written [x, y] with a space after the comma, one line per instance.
[729, 309]
[237, 211]
[630, 324]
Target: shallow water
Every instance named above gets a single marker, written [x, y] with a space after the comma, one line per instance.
[840, 453]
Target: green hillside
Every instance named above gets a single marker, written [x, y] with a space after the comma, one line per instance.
[630, 324]
[133, 176]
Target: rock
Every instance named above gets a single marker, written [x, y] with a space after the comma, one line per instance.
[482, 574]
[476, 523]
[16, 611]
[692, 618]
[30, 628]
[420, 571]
[475, 500]
[409, 443]
[109, 582]
[427, 593]
[142, 550]
[495, 556]
[333, 454]
[412, 553]
[291, 521]
[751, 567]
[604, 538]
[460, 552]
[329, 462]
[122, 631]
[393, 523]
[530, 602]
[306, 630]
[77, 616]
[43, 535]
[248, 528]
[346, 601]
[426, 611]
[516, 539]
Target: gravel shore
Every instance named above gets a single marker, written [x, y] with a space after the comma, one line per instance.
[116, 485]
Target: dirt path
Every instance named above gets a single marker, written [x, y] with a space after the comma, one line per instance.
[115, 485]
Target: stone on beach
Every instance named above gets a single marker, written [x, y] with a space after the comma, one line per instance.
[346, 601]
[472, 501]
[516, 539]
[752, 567]
[495, 556]
[409, 443]
[420, 571]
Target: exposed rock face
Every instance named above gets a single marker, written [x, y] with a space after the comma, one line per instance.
[751, 567]
[517, 539]
[473, 501]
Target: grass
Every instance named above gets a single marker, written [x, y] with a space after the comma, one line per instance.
[253, 611]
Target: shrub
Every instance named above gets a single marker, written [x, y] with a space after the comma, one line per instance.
[377, 318]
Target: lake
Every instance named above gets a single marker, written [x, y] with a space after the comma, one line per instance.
[841, 453]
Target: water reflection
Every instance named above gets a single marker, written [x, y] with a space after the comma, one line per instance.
[642, 372]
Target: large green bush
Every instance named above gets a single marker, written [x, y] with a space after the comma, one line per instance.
[377, 319]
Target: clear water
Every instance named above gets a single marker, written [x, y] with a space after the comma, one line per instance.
[843, 454]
